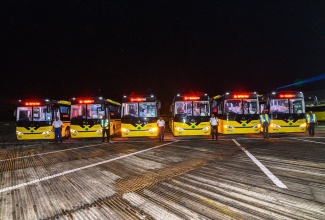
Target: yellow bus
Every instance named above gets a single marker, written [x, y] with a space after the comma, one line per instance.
[190, 115]
[139, 116]
[34, 118]
[237, 112]
[86, 115]
[286, 110]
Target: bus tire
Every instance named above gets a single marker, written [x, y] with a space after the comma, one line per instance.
[67, 132]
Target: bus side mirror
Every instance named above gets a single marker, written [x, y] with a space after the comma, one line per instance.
[48, 108]
[214, 104]
[102, 106]
[158, 104]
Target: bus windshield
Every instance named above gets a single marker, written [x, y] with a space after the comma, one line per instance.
[38, 113]
[87, 111]
[287, 106]
[241, 106]
[192, 108]
[140, 109]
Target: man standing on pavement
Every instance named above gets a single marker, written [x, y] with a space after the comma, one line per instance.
[105, 123]
[311, 121]
[214, 126]
[265, 122]
[57, 124]
[161, 128]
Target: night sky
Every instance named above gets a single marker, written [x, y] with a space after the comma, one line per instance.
[61, 49]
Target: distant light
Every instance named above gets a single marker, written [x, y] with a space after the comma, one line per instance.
[191, 98]
[32, 103]
[178, 95]
[100, 98]
[137, 99]
[273, 93]
[86, 101]
[240, 96]
[151, 96]
[227, 93]
[124, 96]
[287, 96]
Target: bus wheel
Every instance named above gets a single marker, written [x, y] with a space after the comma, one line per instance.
[67, 132]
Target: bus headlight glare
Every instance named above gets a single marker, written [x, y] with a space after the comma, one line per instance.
[303, 125]
[19, 133]
[229, 127]
[73, 131]
[47, 132]
[257, 126]
[206, 128]
[125, 130]
[178, 128]
[153, 129]
[275, 126]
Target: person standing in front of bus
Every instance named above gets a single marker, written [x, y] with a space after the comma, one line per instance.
[161, 128]
[57, 124]
[105, 123]
[311, 120]
[265, 122]
[214, 126]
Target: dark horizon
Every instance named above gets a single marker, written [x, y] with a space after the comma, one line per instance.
[61, 50]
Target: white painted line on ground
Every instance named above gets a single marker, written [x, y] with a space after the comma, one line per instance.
[78, 169]
[52, 152]
[275, 180]
[308, 141]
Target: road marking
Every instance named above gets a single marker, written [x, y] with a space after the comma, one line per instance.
[275, 180]
[308, 140]
[80, 168]
[52, 152]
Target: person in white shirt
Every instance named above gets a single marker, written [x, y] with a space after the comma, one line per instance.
[57, 124]
[214, 126]
[161, 128]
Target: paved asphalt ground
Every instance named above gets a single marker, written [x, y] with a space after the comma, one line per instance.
[236, 177]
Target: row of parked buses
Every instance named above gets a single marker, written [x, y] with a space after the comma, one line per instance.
[136, 116]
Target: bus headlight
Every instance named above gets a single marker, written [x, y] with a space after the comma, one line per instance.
[229, 127]
[125, 130]
[153, 129]
[47, 132]
[257, 126]
[206, 128]
[73, 131]
[99, 131]
[303, 125]
[178, 128]
[275, 126]
[18, 133]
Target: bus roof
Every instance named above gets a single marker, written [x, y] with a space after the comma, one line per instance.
[91, 100]
[139, 98]
[237, 95]
[179, 97]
